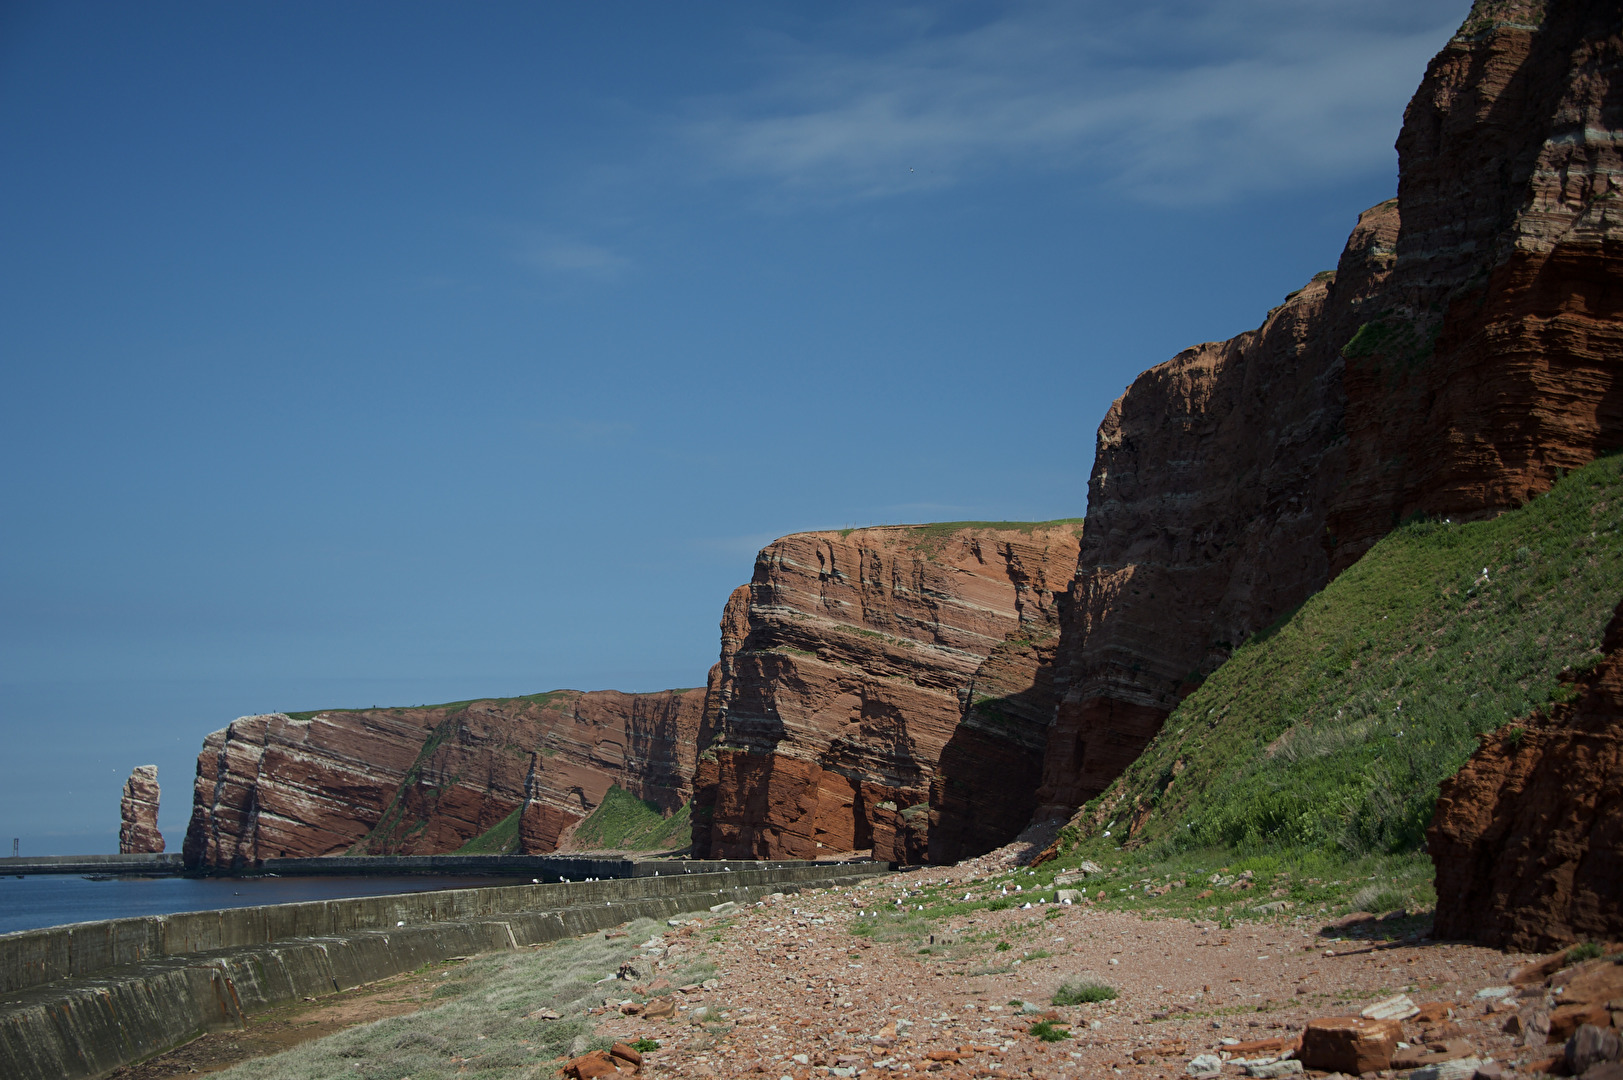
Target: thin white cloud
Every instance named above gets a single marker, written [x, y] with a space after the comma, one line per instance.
[574, 258]
[1161, 102]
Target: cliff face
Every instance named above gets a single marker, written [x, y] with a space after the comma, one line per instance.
[1206, 510]
[879, 688]
[1528, 836]
[1459, 358]
[138, 813]
[428, 780]
[1495, 362]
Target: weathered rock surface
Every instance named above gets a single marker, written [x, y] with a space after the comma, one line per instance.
[138, 813]
[1495, 362]
[1206, 509]
[1528, 836]
[884, 688]
[428, 780]
[1458, 359]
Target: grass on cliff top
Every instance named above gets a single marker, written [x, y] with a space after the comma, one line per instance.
[500, 839]
[544, 698]
[623, 822]
[1331, 731]
[941, 529]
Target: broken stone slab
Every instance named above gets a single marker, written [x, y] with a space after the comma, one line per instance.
[1069, 896]
[1493, 992]
[727, 907]
[1459, 1069]
[1350, 1044]
[1416, 1057]
[1204, 1065]
[1591, 1045]
[1606, 1070]
[1273, 1070]
[1400, 1007]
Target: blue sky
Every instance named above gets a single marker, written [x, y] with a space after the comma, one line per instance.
[373, 353]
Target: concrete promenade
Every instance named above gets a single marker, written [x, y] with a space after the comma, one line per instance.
[79, 1001]
[545, 867]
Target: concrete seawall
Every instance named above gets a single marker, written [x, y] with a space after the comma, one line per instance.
[571, 867]
[164, 865]
[79, 1001]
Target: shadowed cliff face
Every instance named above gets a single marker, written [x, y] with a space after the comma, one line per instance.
[428, 780]
[1528, 836]
[1459, 358]
[1213, 476]
[879, 688]
[1496, 361]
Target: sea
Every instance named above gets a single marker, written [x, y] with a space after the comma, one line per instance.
[38, 900]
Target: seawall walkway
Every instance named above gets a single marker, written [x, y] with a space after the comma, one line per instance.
[79, 1001]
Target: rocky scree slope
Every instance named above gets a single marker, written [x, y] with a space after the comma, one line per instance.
[886, 689]
[1464, 353]
[427, 780]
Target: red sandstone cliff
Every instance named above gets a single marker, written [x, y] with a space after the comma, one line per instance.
[880, 688]
[138, 813]
[1457, 360]
[428, 780]
[1528, 836]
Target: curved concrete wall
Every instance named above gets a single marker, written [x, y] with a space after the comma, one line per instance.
[181, 975]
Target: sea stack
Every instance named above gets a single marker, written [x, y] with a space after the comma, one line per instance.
[138, 831]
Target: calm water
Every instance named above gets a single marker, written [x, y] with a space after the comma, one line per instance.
[28, 903]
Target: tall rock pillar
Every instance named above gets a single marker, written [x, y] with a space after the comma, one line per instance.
[138, 830]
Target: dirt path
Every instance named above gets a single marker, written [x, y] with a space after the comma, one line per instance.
[800, 994]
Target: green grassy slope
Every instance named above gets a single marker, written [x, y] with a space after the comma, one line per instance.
[626, 823]
[1331, 731]
[500, 839]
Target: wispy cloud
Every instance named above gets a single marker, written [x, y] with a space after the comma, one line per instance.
[573, 258]
[1161, 102]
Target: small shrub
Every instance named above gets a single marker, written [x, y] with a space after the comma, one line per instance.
[1004, 946]
[1388, 900]
[1048, 1031]
[1002, 903]
[1082, 993]
[644, 1045]
[1589, 950]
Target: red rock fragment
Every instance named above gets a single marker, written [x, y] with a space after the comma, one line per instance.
[1350, 1044]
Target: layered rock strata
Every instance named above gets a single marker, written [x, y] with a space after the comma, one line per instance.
[1462, 354]
[428, 780]
[1528, 836]
[884, 689]
[138, 814]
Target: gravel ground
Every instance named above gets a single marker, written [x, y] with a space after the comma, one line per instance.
[810, 986]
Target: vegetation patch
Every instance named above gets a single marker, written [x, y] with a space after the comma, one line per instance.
[1083, 993]
[500, 839]
[623, 822]
[1048, 1031]
[1331, 731]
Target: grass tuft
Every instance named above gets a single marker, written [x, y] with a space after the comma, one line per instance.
[1082, 993]
[1048, 1031]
